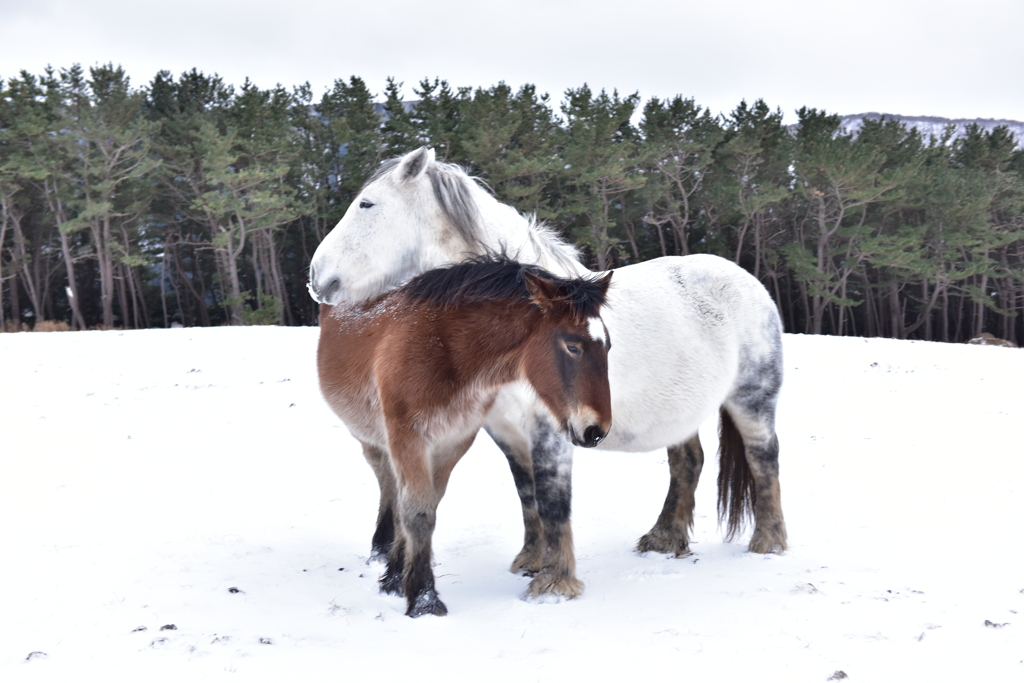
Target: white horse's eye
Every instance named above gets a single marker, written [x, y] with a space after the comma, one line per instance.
[365, 204]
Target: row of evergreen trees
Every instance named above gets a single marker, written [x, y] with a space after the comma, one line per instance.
[190, 201]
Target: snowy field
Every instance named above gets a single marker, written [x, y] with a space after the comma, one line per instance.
[194, 479]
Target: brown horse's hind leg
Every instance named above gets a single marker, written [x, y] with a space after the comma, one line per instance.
[384, 533]
[552, 475]
[530, 558]
[394, 570]
[671, 533]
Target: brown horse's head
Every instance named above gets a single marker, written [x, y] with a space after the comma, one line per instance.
[566, 358]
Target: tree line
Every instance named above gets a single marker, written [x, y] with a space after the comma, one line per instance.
[191, 201]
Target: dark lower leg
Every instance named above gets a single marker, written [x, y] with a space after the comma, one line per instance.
[769, 526]
[384, 533]
[391, 579]
[552, 475]
[418, 579]
[529, 558]
[671, 533]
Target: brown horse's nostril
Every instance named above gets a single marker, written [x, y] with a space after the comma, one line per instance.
[592, 436]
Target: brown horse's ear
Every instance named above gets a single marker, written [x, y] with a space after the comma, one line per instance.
[542, 292]
[604, 282]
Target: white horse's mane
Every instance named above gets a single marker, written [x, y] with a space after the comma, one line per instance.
[453, 188]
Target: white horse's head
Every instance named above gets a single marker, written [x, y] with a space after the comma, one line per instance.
[413, 215]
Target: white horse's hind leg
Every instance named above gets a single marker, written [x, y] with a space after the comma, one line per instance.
[671, 533]
[769, 526]
[749, 448]
[750, 475]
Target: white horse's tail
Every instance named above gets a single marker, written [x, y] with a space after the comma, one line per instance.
[736, 493]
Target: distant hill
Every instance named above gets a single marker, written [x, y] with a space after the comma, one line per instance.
[935, 125]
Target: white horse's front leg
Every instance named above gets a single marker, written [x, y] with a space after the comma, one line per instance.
[520, 462]
[552, 473]
[509, 423]
[541, 462]
[671, 533]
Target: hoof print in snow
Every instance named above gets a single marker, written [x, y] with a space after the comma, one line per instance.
[266, 641]
[138, 629]
[168, 627]
[157, 642]
[36, 654]
[992, 624]
[838, 676]
[233, 589]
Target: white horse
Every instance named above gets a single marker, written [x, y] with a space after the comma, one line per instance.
[690, 335]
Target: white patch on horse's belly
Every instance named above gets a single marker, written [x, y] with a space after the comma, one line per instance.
[596, 329]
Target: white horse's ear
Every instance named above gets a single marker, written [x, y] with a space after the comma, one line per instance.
[414, 164]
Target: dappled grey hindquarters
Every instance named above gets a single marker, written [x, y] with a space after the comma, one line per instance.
[204, 515]
[188, 201]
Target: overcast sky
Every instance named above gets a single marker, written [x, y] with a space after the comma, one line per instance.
[913, 57]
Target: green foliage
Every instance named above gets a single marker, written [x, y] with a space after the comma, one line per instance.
[194, 201]
[268, 312]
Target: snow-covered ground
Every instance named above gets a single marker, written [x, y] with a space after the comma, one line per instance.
[195, 478]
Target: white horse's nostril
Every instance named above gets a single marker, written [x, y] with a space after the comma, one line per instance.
[332, 288]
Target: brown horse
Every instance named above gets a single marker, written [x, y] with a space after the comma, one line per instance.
[413, 374]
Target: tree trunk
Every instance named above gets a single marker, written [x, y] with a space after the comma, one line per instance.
[77, 321]
[979, 308]
[895, 311]
[23, 259]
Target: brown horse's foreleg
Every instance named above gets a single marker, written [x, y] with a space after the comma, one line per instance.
[552, 475]
[529, 559]
[671, 533]
[421, 484]
[384, 533]
[418, 520]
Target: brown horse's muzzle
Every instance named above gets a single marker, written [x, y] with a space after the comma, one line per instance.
[592, 436]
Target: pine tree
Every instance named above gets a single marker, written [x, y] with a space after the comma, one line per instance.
[600, 154]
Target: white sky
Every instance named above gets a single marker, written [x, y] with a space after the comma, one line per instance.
[911, 57]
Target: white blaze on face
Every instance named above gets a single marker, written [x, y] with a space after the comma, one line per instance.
[595, 327]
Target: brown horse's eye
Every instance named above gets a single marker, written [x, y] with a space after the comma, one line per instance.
[573, 349]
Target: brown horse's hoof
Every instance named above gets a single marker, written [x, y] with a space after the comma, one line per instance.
[664, 541]
[552, 583]
[427, 603]
[391, 583]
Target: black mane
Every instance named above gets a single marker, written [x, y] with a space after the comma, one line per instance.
[497, 277]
